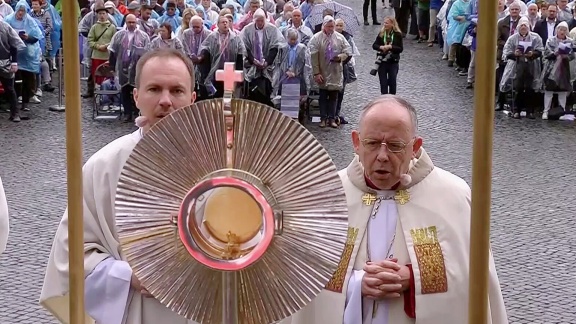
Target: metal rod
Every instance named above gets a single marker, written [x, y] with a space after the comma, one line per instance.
[482, 163]
[74, 162]
[230, 297]
[60, 79]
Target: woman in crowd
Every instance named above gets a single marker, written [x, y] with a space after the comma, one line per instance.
[44, 19]
[328, 49]
[186, 16]
[165, 39]
[99, 37]
[522, 52]
[388, 45]
[556, 76]
[29, 58]
[349, 73]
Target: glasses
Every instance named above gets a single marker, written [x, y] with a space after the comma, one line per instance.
[393, 147]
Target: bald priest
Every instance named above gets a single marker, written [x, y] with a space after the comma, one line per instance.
[406, 259]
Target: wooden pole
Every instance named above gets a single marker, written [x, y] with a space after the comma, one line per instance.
[74, 160]
[482, 161]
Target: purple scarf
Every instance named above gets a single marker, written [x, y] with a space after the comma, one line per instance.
[257, 46]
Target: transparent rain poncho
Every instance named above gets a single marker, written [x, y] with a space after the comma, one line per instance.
[221, 48]
[28, 57]
[128, 52]
[272, 38]
[530, 68]
[192, 43]
[295, 59]
[323, 49]
[557, 74]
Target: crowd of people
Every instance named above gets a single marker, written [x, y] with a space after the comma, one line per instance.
[535, 69]
[274, 43]
[32, 32]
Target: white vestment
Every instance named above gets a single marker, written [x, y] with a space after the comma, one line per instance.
[432, 233]
[109, 296]
[4, 223]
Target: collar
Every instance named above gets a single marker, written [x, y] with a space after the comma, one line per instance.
[420, 168]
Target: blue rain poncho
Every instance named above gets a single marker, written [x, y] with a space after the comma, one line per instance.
[28, 57]
[457, 29]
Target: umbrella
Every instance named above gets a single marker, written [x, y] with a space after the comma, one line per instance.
[294, 175]
[351, 21]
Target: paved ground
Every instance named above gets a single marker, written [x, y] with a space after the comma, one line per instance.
[532, 230]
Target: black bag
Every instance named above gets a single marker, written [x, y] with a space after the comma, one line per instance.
[349, 73]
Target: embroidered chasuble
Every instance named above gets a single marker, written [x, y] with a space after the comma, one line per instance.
[427, 224]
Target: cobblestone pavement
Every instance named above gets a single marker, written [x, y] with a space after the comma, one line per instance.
[532, 234]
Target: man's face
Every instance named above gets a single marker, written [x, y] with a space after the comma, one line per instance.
[35, 5]
[296, 17]
[146, 13]
[223, 24]
[171, 11]
[514, 11]
[131, 22]
[552, 11]
[562, 3]
[196, 26]
[259, 22]
[524, 30]
[389, 123]
[180, 3]
[254, 7]
[206, 4]
[339, 27]
[533, 10]
[165, 86]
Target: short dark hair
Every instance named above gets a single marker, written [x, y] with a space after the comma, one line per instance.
[164, 53]
[168, 27]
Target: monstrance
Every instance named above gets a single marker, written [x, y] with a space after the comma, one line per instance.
[230, 212]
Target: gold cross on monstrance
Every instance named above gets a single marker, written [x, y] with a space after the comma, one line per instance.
[229, 76]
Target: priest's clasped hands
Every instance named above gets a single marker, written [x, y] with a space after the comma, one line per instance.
[385, 279]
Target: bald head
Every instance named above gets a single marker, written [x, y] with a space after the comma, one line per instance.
[131, 22]
[130, 18]
[393, 107]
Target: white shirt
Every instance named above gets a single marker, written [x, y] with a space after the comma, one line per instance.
[551, 28]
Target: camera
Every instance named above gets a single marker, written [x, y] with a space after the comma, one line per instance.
[379, 59]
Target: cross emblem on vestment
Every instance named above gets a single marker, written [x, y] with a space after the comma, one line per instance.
[230, 77]
[368, 199]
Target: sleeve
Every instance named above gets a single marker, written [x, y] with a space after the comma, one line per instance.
[377, 43]
[112, 59]
[353, 312]
[92, 38]
[107, 291]
[4, 222]
[272, 53]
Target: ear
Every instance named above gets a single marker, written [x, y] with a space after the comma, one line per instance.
[356, 141]
[193, 97]
[416, 146]
[135, 95]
